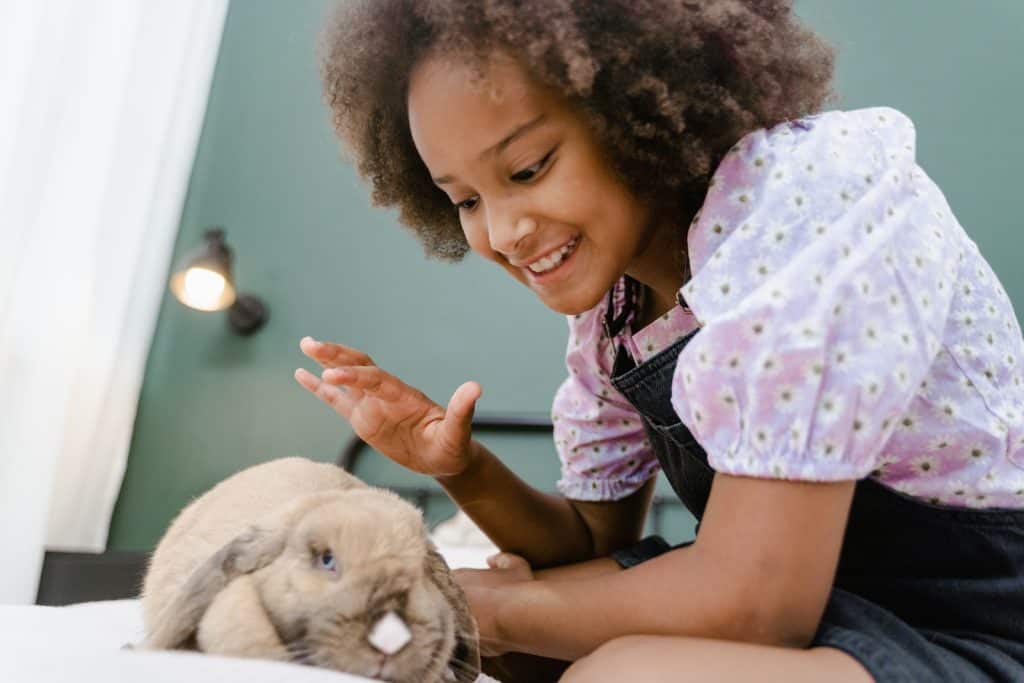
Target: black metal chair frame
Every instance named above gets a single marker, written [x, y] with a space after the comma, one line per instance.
[76, 577]
[504, 422]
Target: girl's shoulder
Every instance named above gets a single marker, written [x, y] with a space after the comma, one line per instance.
[806, 184]
[836, 129]
[801, 158]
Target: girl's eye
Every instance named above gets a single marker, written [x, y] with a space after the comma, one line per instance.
[327, 560]
[530, 171]
[522, 176]
[467, 204]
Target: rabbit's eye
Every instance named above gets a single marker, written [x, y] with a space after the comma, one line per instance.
[327, 560]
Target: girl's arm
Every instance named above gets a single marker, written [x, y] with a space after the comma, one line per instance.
[545, 529]
[405, 425]
[590, 569]
[761, 571]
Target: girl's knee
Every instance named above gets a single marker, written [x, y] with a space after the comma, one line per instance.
[610, 662]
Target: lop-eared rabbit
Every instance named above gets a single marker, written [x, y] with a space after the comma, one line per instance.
[300, 561]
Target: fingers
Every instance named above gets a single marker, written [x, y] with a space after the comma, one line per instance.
[458, 418]
[505, 568]
[508, 561]
[463, 401]
[330, 354]
[331, 395]
[370, 379]
[510, 567]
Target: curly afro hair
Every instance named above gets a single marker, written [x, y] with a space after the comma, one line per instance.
[667, 85]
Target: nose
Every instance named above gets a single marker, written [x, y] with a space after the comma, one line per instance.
[390, 634]
[508, 229]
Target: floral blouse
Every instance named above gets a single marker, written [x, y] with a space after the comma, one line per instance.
[849, 328]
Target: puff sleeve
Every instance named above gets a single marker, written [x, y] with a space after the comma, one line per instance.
[824, 285]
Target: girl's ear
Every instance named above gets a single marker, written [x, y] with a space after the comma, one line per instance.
[253, 549]
[467, 639]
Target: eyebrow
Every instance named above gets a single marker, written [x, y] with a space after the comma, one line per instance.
[496, 148]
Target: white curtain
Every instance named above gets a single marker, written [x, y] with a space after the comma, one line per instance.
[101, 105]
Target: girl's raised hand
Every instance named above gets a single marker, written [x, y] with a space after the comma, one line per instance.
[397, 420]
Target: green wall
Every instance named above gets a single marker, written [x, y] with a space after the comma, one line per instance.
[328, 265]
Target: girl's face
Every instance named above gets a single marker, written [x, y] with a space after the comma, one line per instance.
[534, 191]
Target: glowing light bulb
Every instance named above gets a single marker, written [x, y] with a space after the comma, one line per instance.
[204, 288]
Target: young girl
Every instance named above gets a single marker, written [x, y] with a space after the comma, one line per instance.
[774, 306]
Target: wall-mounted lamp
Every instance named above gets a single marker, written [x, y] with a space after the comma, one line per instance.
[203, 281]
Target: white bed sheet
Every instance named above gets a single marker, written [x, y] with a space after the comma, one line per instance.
[83, 644]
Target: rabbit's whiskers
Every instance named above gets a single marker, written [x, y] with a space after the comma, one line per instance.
[464, 673]
[302, 653]
[436, 656]
[505, 644]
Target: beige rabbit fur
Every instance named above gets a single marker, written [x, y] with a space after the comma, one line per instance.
[242, 571]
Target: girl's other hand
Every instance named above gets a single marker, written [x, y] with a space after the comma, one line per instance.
[487, 590]
[397, 420]
[505, 568]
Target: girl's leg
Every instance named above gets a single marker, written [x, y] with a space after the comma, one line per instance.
[652, 659]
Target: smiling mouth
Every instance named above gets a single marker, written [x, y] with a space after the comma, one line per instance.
[554, 259]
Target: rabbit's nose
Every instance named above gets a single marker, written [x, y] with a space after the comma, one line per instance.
[389, 634]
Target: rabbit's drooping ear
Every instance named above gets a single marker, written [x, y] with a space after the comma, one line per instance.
[251, 550]
[467, 640]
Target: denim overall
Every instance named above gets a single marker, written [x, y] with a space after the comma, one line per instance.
[922, 592]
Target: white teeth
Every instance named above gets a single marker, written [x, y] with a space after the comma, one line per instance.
[549, 262]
